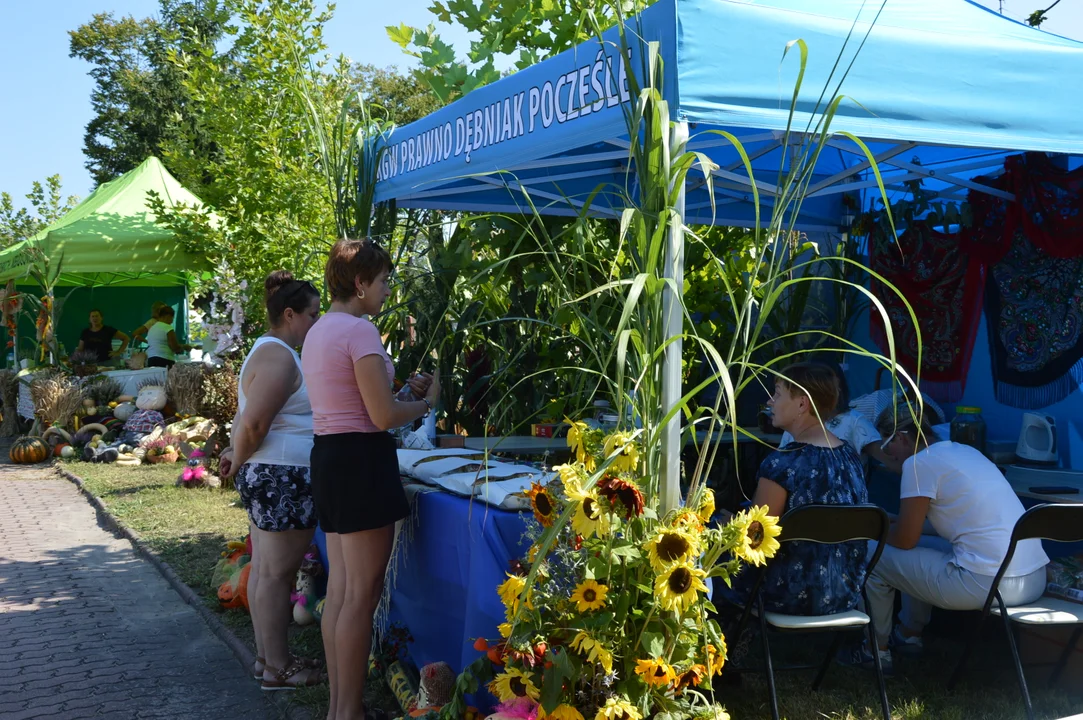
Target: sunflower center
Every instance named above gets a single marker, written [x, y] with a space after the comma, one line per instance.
[590, 595]
[680, 581]
[517, 686]
[659, 672]
[672, 547]
[590, 509]
[755, 534]
[541, 500]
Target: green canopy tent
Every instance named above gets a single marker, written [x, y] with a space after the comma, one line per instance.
[111, 245]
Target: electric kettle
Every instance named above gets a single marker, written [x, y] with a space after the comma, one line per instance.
[1037, 439]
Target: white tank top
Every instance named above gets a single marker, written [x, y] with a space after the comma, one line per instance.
[289, 441]
[158, 341]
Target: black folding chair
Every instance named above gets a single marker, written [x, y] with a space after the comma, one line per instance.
[830, 525]
[1059, 523]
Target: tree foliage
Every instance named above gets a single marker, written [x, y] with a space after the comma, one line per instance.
[139, 101]
[47, 205]
[527, 31]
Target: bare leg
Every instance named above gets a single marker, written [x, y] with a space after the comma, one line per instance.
[253, 588]
[336, 586]
[280, 554]
[365, 555]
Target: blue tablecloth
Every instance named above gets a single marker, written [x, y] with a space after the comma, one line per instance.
[445, 584]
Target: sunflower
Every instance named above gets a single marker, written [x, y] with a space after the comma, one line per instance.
[627, 454]
[505, 630]
[569, 475]
[590, 595]
[561, 712]
[511, 590]
[655, 672]
[760, 531]
[584, 643]
[590, 517]
[671, 546]
[626, 492]
[545, 509]
[618, 709]
[716, 658]
[706, 506]
[688, 521]
[577, 440]
[677, 588]
[691, 677]
[513, 684]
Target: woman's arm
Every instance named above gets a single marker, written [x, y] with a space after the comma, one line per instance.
[139, 332]
[175, 346]
[274, 377]
[771, 494]
[384, 410]
[907, 529]
[874, 451]
[123, 343]
[82, 346]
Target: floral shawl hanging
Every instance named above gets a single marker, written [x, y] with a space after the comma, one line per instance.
[935, 274]
[1034, 294]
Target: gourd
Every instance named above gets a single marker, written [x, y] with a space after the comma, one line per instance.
[28, 450]
[123, 411]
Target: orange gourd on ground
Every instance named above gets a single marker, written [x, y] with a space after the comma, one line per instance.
[28, 450]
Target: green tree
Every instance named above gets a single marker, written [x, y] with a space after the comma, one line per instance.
[139, 100]
[391, 95]
[47, 205]
[527, 31]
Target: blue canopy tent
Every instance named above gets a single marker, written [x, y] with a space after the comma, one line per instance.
[942, 91]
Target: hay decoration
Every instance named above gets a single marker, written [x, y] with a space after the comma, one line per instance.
[9, 392]
[219, 391]
[57, 397]
[102, 389]
[184, 386]
[84, 362]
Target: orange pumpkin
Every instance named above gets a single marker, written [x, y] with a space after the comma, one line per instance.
[27, 450]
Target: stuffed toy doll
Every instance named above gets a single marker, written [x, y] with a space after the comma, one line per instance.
[196, 474]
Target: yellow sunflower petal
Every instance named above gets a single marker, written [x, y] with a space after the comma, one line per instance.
[677, 588]
[618, 709]
[590, 595]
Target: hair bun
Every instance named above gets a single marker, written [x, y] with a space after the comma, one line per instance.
[277, 279]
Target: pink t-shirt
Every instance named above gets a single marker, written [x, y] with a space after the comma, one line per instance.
[331, 348]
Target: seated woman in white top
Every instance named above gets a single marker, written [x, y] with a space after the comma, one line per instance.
[851, 427]
[972, 509]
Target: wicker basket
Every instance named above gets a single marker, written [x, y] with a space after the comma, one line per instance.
[167, 458]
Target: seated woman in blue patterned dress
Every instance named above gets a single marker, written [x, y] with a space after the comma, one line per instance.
[807, 578]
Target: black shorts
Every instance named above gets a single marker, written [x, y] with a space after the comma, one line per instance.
[355, 482]
[160, 362]
[277, 497]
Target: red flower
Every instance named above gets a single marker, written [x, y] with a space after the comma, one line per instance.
[617, 489]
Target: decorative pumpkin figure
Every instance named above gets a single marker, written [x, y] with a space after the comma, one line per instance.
[28, 450]
[123, 411]
[151, 397]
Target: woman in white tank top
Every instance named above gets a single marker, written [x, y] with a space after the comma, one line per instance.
[269, 459]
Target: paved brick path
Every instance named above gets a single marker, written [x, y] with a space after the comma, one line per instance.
[90, 630]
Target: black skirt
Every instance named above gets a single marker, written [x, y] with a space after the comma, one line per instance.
[355, 482]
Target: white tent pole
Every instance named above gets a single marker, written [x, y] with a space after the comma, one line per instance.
[673, 325]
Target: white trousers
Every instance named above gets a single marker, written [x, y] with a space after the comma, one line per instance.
[928, 576]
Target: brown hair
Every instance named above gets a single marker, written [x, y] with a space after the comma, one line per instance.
[156, 308]
[817, 382]
[350, 260]
[903, 416]
[281, 290]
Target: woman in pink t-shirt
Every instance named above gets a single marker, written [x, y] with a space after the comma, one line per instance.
[355, 469]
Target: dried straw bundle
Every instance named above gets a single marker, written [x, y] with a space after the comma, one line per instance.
[219, 394]
[9, 392]
[57, 397]
[184, 386]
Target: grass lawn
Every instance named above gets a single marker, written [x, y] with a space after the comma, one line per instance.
[189, 530]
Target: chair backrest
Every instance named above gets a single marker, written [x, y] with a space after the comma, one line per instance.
[1059, 522]
[832, 524]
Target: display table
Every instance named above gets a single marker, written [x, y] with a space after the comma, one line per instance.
[129, 380]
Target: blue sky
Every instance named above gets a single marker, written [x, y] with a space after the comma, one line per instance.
[47, 94]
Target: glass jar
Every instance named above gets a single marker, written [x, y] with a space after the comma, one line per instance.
[968, 428]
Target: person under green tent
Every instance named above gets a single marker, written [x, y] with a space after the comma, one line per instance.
[140, 332]
[162, 344]
[99, 337]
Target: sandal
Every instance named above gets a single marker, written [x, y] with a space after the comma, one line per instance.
[282, 678]
[258, 674]
[308, 663]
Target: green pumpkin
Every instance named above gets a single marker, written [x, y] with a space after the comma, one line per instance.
[27, 450]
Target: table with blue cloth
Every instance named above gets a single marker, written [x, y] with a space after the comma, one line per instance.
[446, 577]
